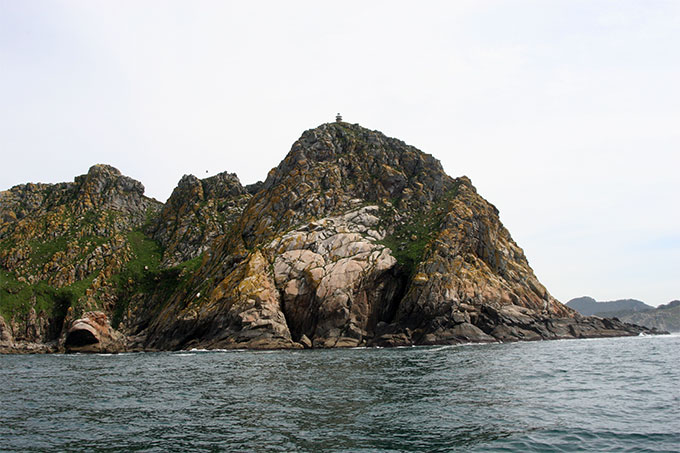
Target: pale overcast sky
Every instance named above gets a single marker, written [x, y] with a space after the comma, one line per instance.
[565, 114]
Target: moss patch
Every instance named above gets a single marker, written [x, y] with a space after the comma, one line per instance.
[411, 236]
[42, 252]
[16, 298]
[144, 276]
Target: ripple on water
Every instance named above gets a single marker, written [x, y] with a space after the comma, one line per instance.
[601, 395]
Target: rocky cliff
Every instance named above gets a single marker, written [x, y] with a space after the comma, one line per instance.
[359, 239]
[354, 239]
[197, 212]
[63, 248]
[664, 317]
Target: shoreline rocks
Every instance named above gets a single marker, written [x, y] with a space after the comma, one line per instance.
[93, 333]
[354, 239]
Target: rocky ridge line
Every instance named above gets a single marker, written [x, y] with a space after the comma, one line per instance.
[424, 261]
[354, 239]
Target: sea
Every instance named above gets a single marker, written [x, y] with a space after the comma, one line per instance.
[595, 395]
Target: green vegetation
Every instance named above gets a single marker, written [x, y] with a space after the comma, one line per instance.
[91, 242]
[7, 243]
[147, 253]
[90, 217]
[17, 298]
[144, 276]
[410, 239]
[139, 274]
[150, 217]
[42, 252]
[63, 227]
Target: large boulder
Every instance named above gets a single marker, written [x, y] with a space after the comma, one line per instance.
[336, 279]
[5, 333]
[93, 333]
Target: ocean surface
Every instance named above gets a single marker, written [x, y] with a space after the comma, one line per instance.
[619, 394]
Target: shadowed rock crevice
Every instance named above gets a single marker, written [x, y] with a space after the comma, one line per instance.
[359, 239]
[93, 333]
[354, 239]
[79, 338]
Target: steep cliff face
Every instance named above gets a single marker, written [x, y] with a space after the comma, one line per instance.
[62, 246]
[332, 167]
[359, 239]
[197, 212]
[354, 239]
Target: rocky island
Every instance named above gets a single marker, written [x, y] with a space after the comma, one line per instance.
[354, 239]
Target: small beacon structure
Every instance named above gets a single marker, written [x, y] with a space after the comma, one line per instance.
[338, 118]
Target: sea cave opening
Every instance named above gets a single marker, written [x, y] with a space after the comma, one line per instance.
[79, 338]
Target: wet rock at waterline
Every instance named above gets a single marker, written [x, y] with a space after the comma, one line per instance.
[93, 333]
[354, 239]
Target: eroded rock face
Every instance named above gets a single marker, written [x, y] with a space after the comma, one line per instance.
[332, 165]
[197, 212]
[64, 243]
[325, 284]
[105, 186]
[242, 311]
[93, 333]
[336, 280]
[5, 333]
[472, 263]
[354, 239]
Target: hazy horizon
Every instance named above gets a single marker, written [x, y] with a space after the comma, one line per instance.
[564, 114]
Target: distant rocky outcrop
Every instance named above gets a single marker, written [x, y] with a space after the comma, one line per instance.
[664, 317]
[354, 239]
[589, 306]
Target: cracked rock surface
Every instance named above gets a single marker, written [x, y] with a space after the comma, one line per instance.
[359, 239]
[354, 239]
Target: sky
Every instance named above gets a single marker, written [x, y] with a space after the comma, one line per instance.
[565, 114]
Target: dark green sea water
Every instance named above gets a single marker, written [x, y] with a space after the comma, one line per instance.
[581, 395]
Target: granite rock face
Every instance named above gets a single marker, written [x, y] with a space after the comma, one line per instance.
[337, 281]
[197, 212]
[5, 333]
[359, 239]
[66, 245]
[327, 282]
[354, 239]
[331, 167]
[473, 278]
[93, 333]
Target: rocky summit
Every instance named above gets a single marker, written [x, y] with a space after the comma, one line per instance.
[354, 239]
